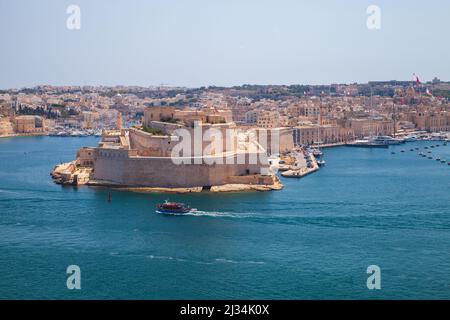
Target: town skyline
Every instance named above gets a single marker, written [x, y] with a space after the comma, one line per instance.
[168, 85]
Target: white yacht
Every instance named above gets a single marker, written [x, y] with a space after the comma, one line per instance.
[411, 138]
[387, 140]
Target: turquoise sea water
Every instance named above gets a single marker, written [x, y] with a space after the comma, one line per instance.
[312, 240]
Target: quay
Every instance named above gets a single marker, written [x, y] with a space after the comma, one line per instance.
[332, 145]
[301, 169]
[15, 135]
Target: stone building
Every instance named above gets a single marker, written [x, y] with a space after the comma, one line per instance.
[251, 117]
[365, 127]
[323, 134]
[186, 116]
[29, 124]
[268, 119]
[275, 140]
[431, 121]
[6, 127]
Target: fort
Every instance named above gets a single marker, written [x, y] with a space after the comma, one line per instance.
[153, 157]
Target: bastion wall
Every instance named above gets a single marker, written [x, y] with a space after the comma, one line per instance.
[121, 167]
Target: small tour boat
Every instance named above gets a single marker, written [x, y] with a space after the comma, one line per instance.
[173, 208]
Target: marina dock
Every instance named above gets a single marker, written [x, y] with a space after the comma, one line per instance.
[301, 168]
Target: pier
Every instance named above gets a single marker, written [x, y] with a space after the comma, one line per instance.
[300, 168]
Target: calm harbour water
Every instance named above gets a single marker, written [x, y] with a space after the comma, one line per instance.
[312, 240]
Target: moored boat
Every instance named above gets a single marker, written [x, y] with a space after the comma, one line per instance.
[321, 162]
[410, 139]
[387, 140]
[367, 144]
[315, 151]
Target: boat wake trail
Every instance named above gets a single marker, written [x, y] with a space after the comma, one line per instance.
[209, 262]
[332, 220]
[218, 214]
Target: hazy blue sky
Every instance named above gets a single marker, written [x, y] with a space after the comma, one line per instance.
[221, 42]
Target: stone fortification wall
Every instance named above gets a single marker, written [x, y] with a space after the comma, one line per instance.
[118, 166]
[150, 145]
